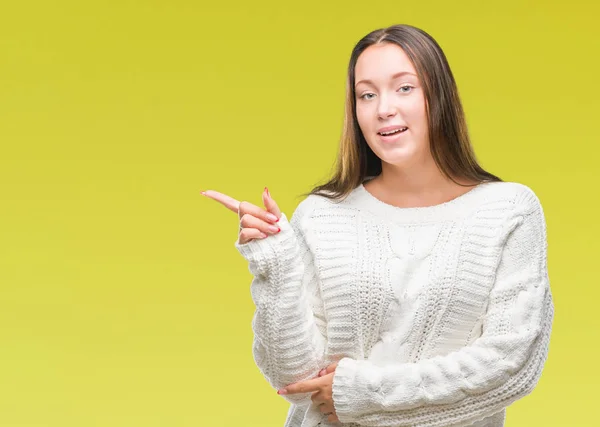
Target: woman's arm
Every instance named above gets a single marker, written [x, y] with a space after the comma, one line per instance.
[476, 381]
[289, 322]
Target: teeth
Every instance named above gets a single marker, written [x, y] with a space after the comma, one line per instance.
[392, 132]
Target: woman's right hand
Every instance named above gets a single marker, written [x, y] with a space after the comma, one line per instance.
[255, 222]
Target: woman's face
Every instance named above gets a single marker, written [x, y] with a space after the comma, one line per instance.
[387, 99]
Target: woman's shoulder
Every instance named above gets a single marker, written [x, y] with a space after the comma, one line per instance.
[312, 204]
[520, 195]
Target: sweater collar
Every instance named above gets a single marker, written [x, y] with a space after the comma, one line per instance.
[457, 207]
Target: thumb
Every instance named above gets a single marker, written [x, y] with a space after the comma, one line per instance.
[270, 203]
[331, 368]
[328, 370]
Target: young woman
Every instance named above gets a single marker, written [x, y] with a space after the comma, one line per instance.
[412, 288]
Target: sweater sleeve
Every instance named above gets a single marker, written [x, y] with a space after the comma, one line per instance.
[289, 322]
[474, 382]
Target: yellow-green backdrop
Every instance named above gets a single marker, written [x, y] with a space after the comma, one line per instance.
[123, 301]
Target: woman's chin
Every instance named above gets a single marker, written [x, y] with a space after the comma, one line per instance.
[397, 155]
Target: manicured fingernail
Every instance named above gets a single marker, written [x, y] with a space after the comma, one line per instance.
[203, 193]
[272, 217]
[282, 391]
[268, 194]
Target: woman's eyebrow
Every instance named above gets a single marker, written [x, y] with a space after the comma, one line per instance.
[395, 76]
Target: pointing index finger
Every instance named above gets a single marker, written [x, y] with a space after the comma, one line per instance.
[229, 202]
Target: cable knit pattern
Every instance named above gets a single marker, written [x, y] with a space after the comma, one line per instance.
[439, 316]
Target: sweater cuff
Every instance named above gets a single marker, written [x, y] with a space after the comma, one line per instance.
[275, 249]
[346, 396]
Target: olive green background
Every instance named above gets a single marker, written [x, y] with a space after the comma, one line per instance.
[123, 301]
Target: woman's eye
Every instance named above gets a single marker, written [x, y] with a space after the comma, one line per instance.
[408, 87]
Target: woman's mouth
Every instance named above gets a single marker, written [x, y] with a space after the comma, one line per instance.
[391, 136]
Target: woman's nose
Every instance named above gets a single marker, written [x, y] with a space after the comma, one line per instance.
[385, 109]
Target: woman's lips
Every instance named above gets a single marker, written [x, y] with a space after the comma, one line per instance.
[393, 137]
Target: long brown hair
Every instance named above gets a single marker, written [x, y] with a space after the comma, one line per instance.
[448, 135]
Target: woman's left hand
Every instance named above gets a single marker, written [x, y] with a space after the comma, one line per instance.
[322, 388]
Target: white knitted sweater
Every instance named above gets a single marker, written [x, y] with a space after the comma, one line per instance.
[439, 316]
